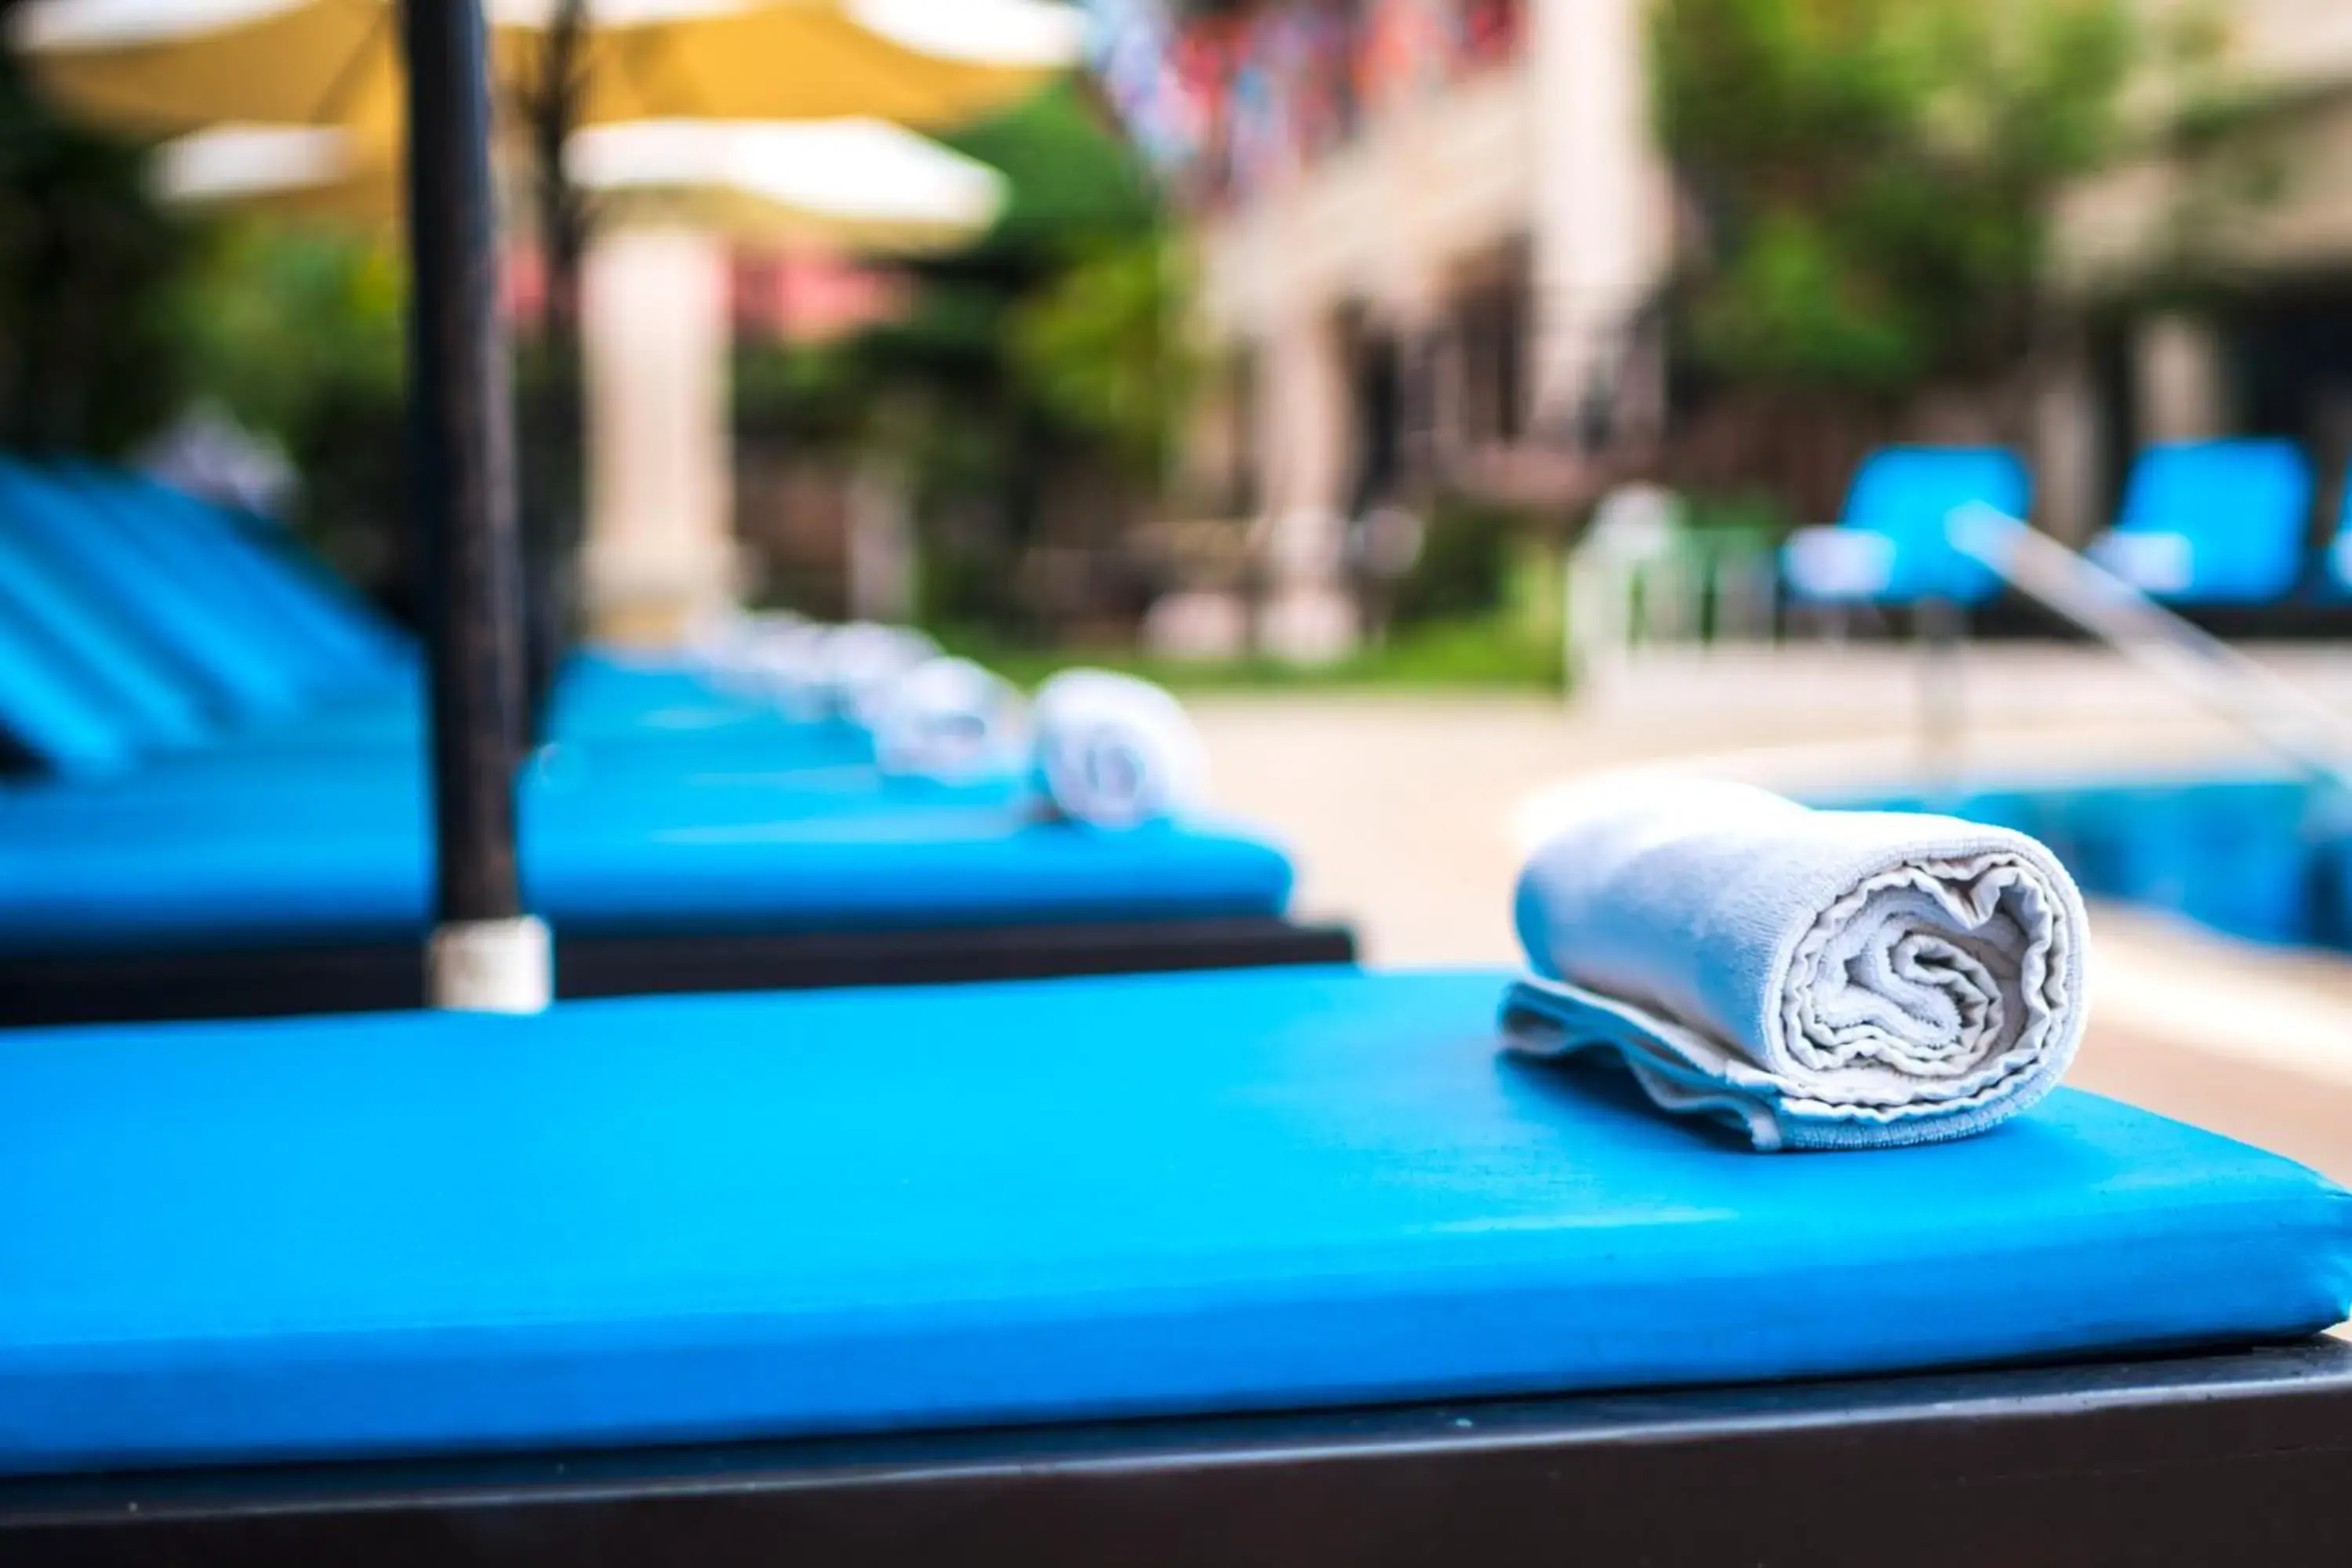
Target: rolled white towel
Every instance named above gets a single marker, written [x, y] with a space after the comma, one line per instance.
[859, 664]
[786, 664]
[1116, 751]
[1819, 978]
[766, 654]
[950, 720]
[720, 638]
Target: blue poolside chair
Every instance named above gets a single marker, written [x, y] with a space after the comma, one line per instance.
[350, 752]
[238, 664]
[258, 560]
[1197, 1268]
[351, 749]
[2212, 522]
[60, 720]
[648, 862]
[1890, 547]
[679, 836]
[2335, 583]
[158, 710]
[269, 651]
[297, 689]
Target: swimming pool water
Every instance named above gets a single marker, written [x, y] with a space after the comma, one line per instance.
[2265, 859]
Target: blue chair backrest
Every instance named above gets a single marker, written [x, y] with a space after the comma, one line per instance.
[335, 640]
[132, 678]
[154, 590]
[2242, 506]
[1907, 493]
[51, 712]
[196, 558]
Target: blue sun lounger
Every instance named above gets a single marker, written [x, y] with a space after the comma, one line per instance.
[264, 647]
[680, 835]
[2212, 522]
[1890, 547]
[235, 684]
[865, 1274]
[255, 644]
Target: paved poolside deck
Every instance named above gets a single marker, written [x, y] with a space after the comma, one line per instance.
[1409, 814]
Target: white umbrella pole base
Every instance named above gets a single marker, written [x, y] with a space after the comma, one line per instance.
[491, 966]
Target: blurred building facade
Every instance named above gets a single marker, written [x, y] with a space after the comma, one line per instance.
[1434, 236]
[1431, 232]
[2257, 338]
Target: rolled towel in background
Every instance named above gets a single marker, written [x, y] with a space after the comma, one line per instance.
[786, 663]
[1818, 979]
[723, 640]
[861, 662]
[948, 719]
[770, 654]
[1116, 751]
[716, 639]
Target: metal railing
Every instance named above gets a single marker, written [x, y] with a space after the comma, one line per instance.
[2258, 700]
[1641, 579]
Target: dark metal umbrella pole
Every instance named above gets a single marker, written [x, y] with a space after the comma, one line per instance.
[487, 954]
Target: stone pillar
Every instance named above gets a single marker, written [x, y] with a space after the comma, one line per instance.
[1303, 405]
[1601, 212]
[655, 329]
[2182, 388]
[881, 542]
[2069, 440]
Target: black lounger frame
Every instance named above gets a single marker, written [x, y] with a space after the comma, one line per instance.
[2244, 1457]
[287, 982]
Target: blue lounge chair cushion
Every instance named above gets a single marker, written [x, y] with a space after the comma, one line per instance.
[266, 781]
[2213, 522]
[1891, 545]
[641, 867]
[716, 1217]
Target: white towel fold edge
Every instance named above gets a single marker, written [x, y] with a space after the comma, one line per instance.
[1685, 1071]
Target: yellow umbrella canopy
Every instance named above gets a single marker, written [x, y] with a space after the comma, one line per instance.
[170, 66]
[922, 63]
[166, 66]
[857, 184]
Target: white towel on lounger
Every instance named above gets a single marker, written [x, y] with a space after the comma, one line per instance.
[1116, 751]
[1819, 978]
[948, 719]
[784, 662]
[861, 662]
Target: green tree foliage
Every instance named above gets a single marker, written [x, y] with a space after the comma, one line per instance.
[282, 319]
[88, 340]
[1875, 177]
[1104, 348]
[2226, 141]
[1044, 348]
[116, 313]
[299, 333]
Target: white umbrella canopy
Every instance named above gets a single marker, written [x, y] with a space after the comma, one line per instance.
[857, 185]
[302, 169]
[862, 185]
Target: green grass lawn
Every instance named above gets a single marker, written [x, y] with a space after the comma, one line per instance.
[1455, 655]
